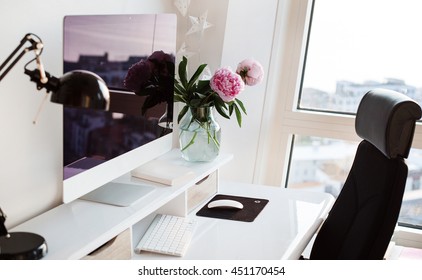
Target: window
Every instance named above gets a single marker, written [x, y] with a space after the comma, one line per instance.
[354, 46]
[329, 54]
[322, 164]
[358, 45]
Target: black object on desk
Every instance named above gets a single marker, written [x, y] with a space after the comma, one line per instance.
[20, 245]
[251, 209]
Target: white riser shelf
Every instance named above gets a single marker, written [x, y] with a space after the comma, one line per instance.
[75, 229]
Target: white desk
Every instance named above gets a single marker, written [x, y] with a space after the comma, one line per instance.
[281, 231]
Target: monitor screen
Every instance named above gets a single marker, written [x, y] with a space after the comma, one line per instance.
[134, 55]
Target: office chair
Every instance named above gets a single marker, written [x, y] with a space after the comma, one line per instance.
[362, 220]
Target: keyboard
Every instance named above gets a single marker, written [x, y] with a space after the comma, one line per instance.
[167, 234]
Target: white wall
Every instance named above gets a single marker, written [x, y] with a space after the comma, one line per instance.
[249, 34]
[31, 155]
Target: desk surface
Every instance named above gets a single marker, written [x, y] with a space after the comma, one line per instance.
[281, 231]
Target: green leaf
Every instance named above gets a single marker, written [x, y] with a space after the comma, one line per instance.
[179, 98]
[182, 113]
[231, 108]
[183, 72]
[179, 89]
[219, 101]
[195, 76]
[220, 110]
[203, 86]
[207, 99]
[203, 83]
[238, 115]
[241, 105]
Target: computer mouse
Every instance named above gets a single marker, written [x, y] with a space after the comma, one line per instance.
[225, 203]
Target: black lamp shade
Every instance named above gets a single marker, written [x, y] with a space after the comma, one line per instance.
[82, 89]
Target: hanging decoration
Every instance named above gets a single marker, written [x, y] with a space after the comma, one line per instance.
[182, 6]
[184, 51]
[199, 24]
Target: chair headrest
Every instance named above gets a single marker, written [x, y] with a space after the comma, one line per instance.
[387, 120]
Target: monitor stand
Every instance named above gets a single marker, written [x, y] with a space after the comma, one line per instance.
[118, 194]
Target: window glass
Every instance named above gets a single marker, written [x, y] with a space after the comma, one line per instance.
[322, 164]
[358, 45]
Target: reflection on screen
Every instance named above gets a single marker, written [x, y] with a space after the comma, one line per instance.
[111, 45]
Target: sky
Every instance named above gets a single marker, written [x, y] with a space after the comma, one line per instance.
[119, 35]
[359, 40]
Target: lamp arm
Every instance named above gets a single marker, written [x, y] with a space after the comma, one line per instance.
[35, 76]
[11, 65]
[35, 45]
[77, 88]
[39, 76]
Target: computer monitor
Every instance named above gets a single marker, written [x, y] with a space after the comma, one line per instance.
[100, 146]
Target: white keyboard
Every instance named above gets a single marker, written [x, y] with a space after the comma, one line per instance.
[167, 234]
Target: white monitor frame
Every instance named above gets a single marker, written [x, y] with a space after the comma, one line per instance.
[91, 179]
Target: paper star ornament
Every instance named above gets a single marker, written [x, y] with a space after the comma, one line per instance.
[184, 51]
[182, 6]
[199, 24]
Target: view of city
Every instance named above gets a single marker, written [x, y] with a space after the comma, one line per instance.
[347, 95]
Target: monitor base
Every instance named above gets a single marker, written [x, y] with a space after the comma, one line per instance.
[118, 194]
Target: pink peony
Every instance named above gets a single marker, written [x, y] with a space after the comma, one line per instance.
[251, 72]
[227, 84]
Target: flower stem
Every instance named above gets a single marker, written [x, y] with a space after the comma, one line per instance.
[206, 127]
[191, 142]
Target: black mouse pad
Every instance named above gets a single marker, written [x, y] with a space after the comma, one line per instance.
[251, 209]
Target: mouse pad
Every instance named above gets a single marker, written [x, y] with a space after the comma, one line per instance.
[251, 209]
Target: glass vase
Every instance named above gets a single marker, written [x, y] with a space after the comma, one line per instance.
[199, 135]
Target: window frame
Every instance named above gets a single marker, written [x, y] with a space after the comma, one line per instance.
[281, 116]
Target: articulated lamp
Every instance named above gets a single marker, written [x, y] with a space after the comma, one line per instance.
[77, 88]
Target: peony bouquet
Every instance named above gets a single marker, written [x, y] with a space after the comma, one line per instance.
[220, 91]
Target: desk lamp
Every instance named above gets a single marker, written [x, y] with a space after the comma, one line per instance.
[77, 88]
